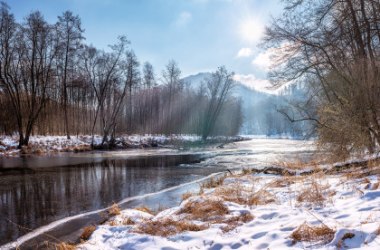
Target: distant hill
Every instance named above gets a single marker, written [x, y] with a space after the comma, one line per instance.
[260, 108]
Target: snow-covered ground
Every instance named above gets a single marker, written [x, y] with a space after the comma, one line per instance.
[257, 212]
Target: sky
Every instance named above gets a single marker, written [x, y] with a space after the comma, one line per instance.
[200, 35]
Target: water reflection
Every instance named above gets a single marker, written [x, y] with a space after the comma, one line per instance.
[41, 195]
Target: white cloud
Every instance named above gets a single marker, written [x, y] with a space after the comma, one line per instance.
[183, 19]
[251, 81]
[245, 52]
[264, 60]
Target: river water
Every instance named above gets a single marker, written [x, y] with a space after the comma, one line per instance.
[37, 191]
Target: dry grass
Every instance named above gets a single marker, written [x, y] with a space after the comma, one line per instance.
[64, 246]
[145, 209]
[201, 190]
[309, 233]
[206, 210]
[114, 210]
[235, 221]
[366, 180]
[186, 195]
[313, 194]
[167, 227]
[285, 181]
[213, 182]
[299, 164]
[353, 175]
[233, 193]
[243, 196]
[375, 186]
[87, 232]
[246, 171]
[373, 164]
[128, 221]
[377, 231]
[371, 218]
[261, 197]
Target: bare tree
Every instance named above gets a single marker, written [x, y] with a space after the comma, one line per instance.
[219, 88]
[27, 67]
[171, 78]
[335, 44]
[69, 35]
[132, 80]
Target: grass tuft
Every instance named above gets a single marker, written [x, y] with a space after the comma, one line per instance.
[87, 232]
[312, 194]
[167, 227]
[235, 221]
[64, 246]
[114, 210]
[145, 209]
[206, 210]
[213, 182]
[186, 195]
[309, 233]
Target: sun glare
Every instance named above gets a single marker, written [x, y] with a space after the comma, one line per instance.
[251, 30]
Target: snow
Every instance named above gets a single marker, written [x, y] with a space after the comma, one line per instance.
[48, 144]
[349, 206]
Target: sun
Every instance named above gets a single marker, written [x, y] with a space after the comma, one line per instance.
[251, 30]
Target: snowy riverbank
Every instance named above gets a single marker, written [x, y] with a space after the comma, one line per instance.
[54, 144]
[257, 212]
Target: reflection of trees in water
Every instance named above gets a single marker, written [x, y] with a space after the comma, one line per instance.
[34, 199]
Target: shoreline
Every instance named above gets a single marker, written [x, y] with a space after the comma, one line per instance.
[207, 184]
[48, 145]
[247, 209]
[53, 230]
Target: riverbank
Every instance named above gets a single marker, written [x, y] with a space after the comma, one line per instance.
[40, 145]
[257, 211]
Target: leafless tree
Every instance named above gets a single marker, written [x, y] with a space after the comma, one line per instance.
[219, 88]
[336, 45]
[69, 35]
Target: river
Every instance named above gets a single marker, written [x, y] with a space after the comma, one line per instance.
[46, 197]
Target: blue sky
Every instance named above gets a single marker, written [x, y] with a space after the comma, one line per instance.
[199, 34]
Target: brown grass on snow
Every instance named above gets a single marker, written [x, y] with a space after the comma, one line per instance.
[205, 210]
[145, 209]
[238, 194]
[186, 195]
[87, 232]
[309, 233]
[235, 221]
[114, 210]
[213, 182]
[261, 197]
[64, 246]
[313, 194]
[233, 193]
[299, 164]
[167, 227]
